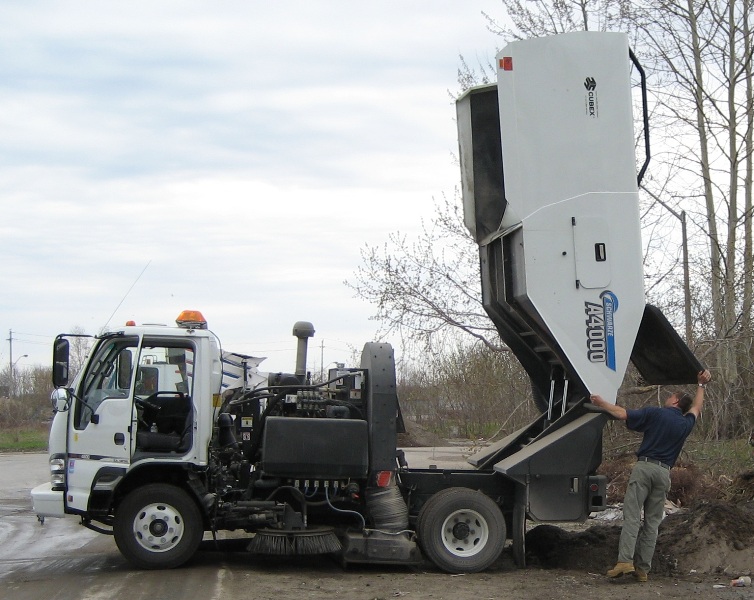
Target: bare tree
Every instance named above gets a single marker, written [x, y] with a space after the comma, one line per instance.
[427, 290]
[537, 18]
[523, 19]
[80, 345]
[30, 406]
[468, 391]
[701, 53]
[699, 58]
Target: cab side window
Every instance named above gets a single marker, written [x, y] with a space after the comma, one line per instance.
[162, 389]
[164, 368]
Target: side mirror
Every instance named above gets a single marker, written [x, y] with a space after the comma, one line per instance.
[60, 399]
[60, 362]
[125, 365]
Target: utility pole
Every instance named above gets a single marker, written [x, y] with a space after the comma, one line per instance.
[686, 277]
[10, 345]
[10, 364]
[686, 281]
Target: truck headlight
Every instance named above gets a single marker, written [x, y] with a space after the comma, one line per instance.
[57, 472]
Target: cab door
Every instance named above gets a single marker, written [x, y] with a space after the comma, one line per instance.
[165, 415]
[99, 427]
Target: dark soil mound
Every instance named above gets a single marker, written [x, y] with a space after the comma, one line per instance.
[418, 436]
[593, 550]
[711, 537]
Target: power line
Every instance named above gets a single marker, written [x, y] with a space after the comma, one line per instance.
[50, 337]
[32, 342]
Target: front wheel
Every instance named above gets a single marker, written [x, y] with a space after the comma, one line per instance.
[461, 530]
[158, 526]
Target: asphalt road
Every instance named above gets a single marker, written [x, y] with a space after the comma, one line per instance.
[61, 560]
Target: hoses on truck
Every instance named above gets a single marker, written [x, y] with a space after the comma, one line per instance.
[387, 509]
[344, 511]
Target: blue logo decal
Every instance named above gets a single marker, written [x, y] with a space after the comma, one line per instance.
[610, 306]
[600, 329]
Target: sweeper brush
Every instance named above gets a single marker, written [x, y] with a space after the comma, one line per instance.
[319, 540]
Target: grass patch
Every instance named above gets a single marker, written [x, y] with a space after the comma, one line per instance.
[24, 439]
[705, 471]
[720, 458]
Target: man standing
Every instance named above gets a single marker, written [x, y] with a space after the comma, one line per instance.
[665, 430]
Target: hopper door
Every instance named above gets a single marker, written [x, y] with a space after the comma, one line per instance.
[590, 244]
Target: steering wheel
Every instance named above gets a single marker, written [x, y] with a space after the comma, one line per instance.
[149, 401]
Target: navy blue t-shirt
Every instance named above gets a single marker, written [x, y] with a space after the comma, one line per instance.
[665, 430]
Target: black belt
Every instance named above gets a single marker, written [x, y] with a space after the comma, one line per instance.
[655, 462]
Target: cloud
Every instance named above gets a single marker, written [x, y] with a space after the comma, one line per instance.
[244, 151]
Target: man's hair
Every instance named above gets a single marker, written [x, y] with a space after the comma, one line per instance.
[684, 401]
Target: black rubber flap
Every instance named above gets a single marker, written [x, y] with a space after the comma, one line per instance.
[659, 353]
[479, 122]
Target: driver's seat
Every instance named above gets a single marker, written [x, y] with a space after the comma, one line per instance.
[174, 420]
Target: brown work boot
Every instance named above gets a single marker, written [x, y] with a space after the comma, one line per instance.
[621, 568]
[641, 576]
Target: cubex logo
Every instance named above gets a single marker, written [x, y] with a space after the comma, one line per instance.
[590, 83]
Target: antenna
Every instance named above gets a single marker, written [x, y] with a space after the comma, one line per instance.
[126, 294]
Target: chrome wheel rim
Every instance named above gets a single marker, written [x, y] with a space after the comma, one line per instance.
[158, 527]
[465, 533]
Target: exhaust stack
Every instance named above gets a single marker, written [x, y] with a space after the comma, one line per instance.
[303, 330]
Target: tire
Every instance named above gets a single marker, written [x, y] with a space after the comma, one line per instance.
[461, 530]
[158, 526]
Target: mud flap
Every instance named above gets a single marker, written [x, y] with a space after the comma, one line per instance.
[518, 529]
[659, 353]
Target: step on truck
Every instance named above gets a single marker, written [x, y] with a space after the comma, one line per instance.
[163, 438]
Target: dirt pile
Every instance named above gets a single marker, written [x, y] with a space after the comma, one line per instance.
[711, 537]
[418, 436]
[592, 551]
[712, 533]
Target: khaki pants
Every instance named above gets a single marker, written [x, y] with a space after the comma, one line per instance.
[647, 488]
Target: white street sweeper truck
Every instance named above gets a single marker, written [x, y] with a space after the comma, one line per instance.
[162, 438]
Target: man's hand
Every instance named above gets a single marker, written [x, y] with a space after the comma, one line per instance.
[703, 377]
[613, 410]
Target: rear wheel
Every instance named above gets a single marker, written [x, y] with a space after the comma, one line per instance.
[158, 526]
[461, 530]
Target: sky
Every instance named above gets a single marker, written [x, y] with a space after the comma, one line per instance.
[231, 157]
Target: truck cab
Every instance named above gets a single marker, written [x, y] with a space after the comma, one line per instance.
[137, 404]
